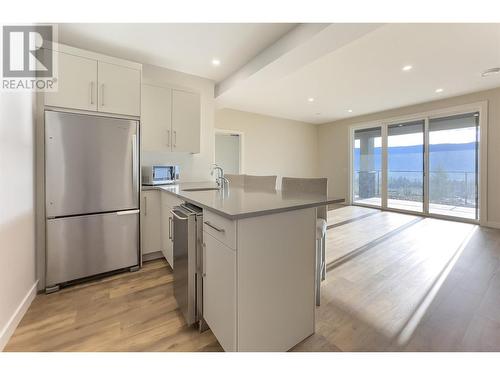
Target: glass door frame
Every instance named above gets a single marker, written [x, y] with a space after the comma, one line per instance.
[480, 107]
[385, 164]
[351, 165]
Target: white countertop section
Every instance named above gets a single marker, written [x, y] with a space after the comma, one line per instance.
[239, 203]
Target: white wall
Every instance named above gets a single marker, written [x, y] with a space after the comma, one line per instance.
[194, 167]
[334, 144]
[17, 214]
[273, 146]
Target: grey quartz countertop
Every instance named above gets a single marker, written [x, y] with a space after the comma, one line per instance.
[239, 203]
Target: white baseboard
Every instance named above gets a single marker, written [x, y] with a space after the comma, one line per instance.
[492, 224]
[14, 320]
[152, 256]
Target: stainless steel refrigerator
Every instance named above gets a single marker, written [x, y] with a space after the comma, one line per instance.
[91, 195]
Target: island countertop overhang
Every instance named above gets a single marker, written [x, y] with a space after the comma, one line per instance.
[239, 203]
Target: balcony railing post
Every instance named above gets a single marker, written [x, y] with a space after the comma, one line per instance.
[466, 187]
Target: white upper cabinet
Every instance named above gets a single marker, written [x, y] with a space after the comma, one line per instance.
[119, 89]
[156, 118]
[94, 82]
[185, 121]
[170, 120]
[77, 83]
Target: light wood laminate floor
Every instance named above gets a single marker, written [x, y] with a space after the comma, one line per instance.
[395, 282]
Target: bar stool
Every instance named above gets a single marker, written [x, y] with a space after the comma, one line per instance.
[235, 180]
[267, 183]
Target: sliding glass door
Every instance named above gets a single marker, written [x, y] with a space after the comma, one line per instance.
[405, 171]
[453, 166]
[427, 165]
[367, 160]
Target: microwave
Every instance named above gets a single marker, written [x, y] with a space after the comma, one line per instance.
[160, 174]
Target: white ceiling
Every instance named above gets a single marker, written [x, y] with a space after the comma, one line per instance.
[274, 68]
[364, 73]
[188, 48]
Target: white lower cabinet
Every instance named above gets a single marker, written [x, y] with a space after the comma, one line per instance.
[150, 221]
[258, 285]
[168, 201]
[157, 223]
[219, 291]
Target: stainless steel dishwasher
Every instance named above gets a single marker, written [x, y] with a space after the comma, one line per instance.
[188, 253]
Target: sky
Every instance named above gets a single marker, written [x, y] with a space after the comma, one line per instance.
[462, 135]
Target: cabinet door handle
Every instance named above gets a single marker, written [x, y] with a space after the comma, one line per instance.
[91, 92]
[102, 95]
[220, 230]
[169, 227]
[145, 206]
[175, 138]
[168, 138]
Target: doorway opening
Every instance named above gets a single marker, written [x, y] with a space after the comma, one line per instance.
[228, 151]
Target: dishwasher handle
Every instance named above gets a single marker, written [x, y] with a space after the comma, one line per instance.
[177, 216]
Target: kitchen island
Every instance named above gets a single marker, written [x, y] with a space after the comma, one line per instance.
[258, 263]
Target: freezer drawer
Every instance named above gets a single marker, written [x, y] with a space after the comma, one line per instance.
[91, 164]
[81, 246]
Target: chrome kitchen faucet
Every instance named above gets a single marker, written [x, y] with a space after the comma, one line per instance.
[222, 182]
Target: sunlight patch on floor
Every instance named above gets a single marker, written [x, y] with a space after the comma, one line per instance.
[409, 266]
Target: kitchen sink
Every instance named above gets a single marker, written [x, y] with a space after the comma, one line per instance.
[201, 189]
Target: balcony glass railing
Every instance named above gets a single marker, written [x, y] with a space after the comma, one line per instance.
[455, 188]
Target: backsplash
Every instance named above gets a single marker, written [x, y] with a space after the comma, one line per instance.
[193, 167]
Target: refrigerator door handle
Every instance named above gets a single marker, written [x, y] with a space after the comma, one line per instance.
[128, 212]
[135, 182]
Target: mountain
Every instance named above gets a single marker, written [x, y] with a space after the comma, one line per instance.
[449, 157]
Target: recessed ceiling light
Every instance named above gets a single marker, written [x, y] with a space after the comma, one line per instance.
[349, 110]
[406, 68]
[437, 91]
[310, 100]
[490, 72]
[215, 62]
